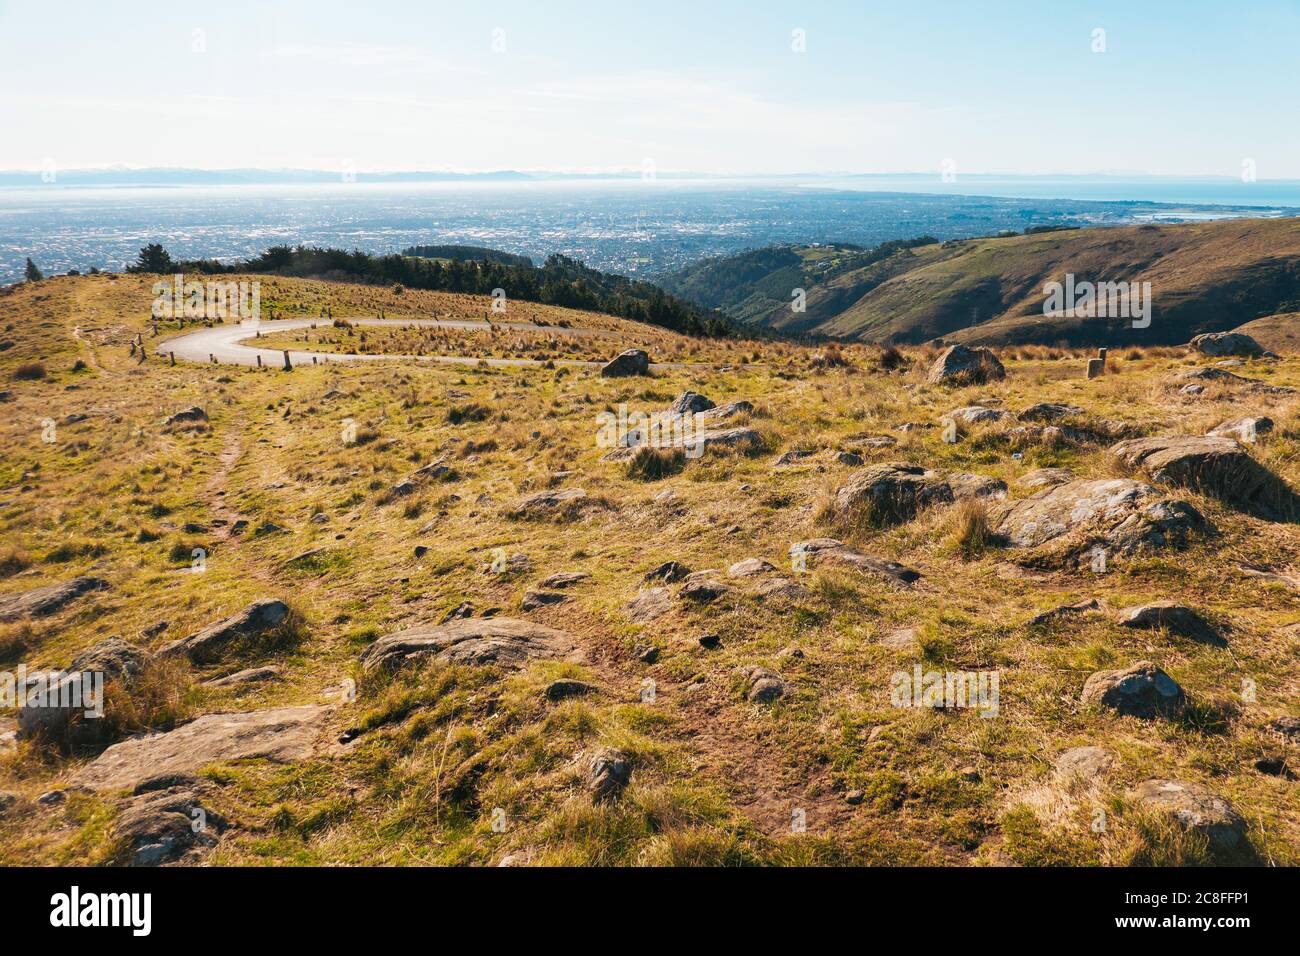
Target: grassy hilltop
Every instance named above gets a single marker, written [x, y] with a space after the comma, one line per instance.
[455, 763]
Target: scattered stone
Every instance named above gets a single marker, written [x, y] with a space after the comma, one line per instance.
[891, 493]
[1177, 618]
[535, 599]
[1127, 516]
[1083, 763]
[1142, 690]
[900, 639]
[1287, 726]
[1049, 412]
[1196, 808]
[608, 773]
[421, 550]
[630, 362]
[208, 645]
[646, 655]
[167, 827]
[782, 589]
[1065, 610]
[793, 457]
[764, 686]
[710, 642]
[1274, 766]
[852, 459]
[1246, 429]
[282, 735]
[44, 601]
[1220, 467]
[460, 612]
[191, 414]
[854, 797]
[702, 589]
[648, 605]
[829, 549]
[725, 411]
[791, 652]
[52, 798]
[249, 675]
[1227, 343]
[1199, 376]
[563, 579]
[959, 365]
[976, 414]
[567, 687]
[500, 640]
[690, 403]
[567, 502]
[749, 568]
[976, 486]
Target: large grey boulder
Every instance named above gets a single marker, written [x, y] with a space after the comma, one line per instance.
[630, 362]
[114, 658]
[498, 640]
[608, 773]
[1219, 467]
[167, 826]
[210, 644]
[689, 403]
[282, 735]
[1142, 690]
[1124, 515]
[1197, 808]
[1245, 429]
[1227, 343]
[43, 601]
[959, 365]
[1177, 618]
[890, 493]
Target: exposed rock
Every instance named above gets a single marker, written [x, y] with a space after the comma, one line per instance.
[567, 502]
[563, 579]
[900, 639]
[1049, 412]
[209, 644]
[852, 459]
[1083, 763]
[749, 568]
[701, 588]
[249, 675]
[191, 414]
[646, 654]
[763, 686]
[710, 642]
[1142, 690]
[669, 572]
[1287, 726]
[1219, 467]
[43, 601]
[960, 365]
[1128, 516]
[648, 605]
[534, 599]
[1197, 808]
[630, 362]
[1065, 610]
[830, 550]
[1197, 377]
[167, 827]
[794, 456]
[608, 773]
[1177, 618]
[975, 414]
[783, 589]
[725, 411]
[890, 493]
[499, 640]
[461, 611]
[567, 687]
[283, 735]
[690, 403]
[1227, 343]
[114, 658]
[976, 486]
[1246, 429]
[1045, 477]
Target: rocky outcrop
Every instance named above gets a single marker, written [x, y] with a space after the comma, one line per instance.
[555, 504]
[820, 551]
[1143, 690]
[960, 365]
[1197, 808]
[689, 403]
[282, 735]
[44, 601]
[479, 641]
[1219, 467]
[1123, 515]
[210, 644]
[1176, 618]
[167, 826]
[630, 362]
[1218, 344]
[889, 494]
[1247, 429]
[650, 604]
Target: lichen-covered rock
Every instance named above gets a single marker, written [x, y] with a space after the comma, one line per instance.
[44, 601]
[630, 362]
[830, 550]
[1246, 429]
[890, 493]
[689, 403]
[499, 640]
[1197, 808]
[167, 827]
[1178, 618]
[960, 365]
[1227, 343]
[608, 773]
[1142, 690]
[209, 645]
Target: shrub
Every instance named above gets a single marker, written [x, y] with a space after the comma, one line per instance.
[29, 371]
[652, 464]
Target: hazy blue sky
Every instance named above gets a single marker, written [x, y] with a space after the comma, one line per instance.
[1183, 87]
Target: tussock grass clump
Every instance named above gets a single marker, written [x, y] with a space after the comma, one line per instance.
[160, 697]
[30, 371]
[15, 641]
[969, 534]
[654, 464]
[472, 412]
[12, 561]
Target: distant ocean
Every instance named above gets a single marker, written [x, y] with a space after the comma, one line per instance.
[620, 225]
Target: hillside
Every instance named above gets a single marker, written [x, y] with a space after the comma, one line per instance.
[494, 643]
[1204, 277]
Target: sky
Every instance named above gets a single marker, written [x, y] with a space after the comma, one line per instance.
[1171, 87]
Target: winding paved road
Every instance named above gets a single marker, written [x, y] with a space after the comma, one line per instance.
[225, 343]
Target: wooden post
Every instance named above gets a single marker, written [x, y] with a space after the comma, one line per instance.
[173, 355]
[212, 358]
[259, 359]
[288, 366]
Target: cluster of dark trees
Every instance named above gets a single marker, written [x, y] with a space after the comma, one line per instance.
[466, 253]
[560, 281]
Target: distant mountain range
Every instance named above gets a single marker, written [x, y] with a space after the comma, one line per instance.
[1203, 277]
